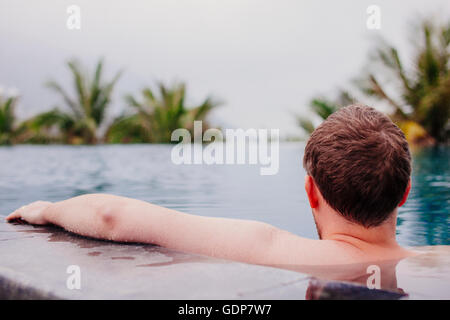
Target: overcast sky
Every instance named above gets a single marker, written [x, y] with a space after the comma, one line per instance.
[264, 59]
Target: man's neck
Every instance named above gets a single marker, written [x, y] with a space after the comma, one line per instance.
[377, 238]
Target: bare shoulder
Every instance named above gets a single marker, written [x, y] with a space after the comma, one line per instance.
[290, 249]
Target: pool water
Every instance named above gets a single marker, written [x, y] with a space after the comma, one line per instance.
[53, 173]
[425, 218]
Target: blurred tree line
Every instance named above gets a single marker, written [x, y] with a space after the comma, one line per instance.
[421, 105]
[148, 120]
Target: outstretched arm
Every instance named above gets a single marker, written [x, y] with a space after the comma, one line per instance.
[123, 219]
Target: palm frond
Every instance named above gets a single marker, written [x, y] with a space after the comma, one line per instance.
[422, 101]
[323, 108]
[93, 96]
[306, 125]
[74, 106]
[157, 114]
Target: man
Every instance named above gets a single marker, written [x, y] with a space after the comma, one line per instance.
[358, 173]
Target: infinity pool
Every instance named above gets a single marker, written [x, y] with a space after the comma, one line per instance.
[53, 173]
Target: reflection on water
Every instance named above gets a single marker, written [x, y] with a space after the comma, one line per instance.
[53, 173]
[425, 218]
[56, 234]
[132, 251]
[331, 290]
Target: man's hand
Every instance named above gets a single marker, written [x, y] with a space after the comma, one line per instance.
[32, 213]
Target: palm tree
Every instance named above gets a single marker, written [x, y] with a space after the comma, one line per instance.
[323, 108]
[12, 132]
[422, 106]
[156, 116]
[8, 129]
[86, 112]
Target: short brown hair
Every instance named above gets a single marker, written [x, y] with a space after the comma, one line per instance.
[360, 161]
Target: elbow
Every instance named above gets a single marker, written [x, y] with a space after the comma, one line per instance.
[107, 217]
[268, 244]
[271, 235]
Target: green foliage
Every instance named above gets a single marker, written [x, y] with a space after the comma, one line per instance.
[424, 87]
[422, 101]
[86, 111]
[8, 131]
[156, 115]
[323, 108]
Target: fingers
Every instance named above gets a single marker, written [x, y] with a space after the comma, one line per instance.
[25, 212]
[16, 214]
[13, 216]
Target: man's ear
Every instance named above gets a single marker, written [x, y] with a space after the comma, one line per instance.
[405, 196]
[311, 191]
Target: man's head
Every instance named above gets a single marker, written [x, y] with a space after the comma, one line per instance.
[360, 162]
